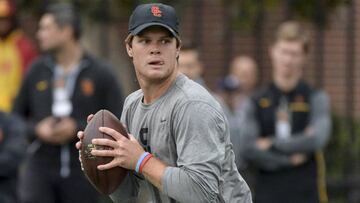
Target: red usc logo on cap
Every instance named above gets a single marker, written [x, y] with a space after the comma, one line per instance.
[155, 10]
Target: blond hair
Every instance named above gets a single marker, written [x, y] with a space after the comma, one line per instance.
[293, 31]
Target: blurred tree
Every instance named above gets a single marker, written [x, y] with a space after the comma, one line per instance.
[341, 162]
[245, 12]
[104, 11]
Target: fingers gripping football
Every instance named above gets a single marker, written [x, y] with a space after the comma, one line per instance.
[125, 152]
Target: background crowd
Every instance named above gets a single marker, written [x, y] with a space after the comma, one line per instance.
[287, 83]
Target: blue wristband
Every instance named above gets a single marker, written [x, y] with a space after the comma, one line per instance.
[142, 157]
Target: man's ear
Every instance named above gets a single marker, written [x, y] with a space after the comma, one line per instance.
[178, 53]
[179, 44]
[129, 50]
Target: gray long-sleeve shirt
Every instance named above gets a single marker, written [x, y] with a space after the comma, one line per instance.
[320, 122]
[186, 129]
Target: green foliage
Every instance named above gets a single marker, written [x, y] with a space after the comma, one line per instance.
[98, 10]
[247, 13]
[316, 11]
[344, 147]
[342, 154]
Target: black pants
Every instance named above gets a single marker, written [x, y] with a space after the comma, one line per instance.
[276, 190]
[8, 189]
[45, 185]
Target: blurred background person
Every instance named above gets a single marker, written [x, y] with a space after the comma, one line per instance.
[332, 64]
[227, 93]
[287, 125]
[16, 53]
[12, 152]
[61, 89]
[245, 70]
[190, 63]
[233, 92]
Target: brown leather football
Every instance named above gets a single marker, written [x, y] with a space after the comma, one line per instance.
[105, 181]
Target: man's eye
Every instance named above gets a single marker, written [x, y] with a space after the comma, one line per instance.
[165, 41]
[143, 41]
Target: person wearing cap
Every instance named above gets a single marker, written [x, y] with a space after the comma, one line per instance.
[243, 72]
[229, 94]
[179, 148]
[62, 87]
[17, 52]
[287, 125]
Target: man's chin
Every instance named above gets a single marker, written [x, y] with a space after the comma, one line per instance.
[156, 77]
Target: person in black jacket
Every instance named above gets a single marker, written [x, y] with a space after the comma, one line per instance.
[64, 86]
[12, 151]
[287, 125]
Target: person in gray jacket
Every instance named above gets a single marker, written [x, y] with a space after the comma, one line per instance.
[179, 148]
[287, 126]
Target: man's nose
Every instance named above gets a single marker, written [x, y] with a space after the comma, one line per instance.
[155, 52]
[155, 49]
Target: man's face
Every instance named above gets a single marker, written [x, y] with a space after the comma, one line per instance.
[50, 35]
[189, 64]
[288, 58]
[245, 71]
[154, 54]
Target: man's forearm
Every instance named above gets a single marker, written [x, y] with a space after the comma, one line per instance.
[299, 143]
[178, 182]
[268, 160]
[184, 184]
[153, 171]
[320, 123]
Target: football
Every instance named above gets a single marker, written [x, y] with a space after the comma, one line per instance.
[105, 181]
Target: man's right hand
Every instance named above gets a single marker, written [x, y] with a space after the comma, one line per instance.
[44, 129]
[80, 135]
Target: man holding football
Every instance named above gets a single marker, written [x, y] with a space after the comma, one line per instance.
[179, 148]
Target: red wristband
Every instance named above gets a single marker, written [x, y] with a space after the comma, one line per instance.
[144, 162]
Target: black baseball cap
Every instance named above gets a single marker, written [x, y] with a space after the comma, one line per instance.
[146, 15]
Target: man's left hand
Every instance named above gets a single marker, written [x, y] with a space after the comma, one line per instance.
[126, 152]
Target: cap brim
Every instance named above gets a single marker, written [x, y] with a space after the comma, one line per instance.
[140, 28]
